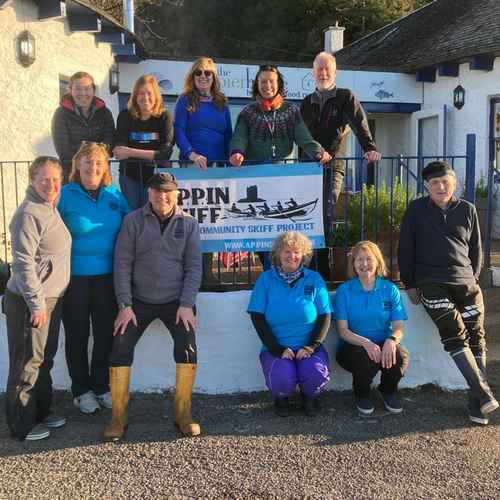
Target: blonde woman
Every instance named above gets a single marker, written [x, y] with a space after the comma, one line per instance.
[202, 120]
[290, 310]
[93, 210]
[370, 318]
[144, 131]
[41, 247]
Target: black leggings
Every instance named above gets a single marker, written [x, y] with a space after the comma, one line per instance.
[184, 341]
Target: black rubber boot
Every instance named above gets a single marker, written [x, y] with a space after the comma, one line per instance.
[466, 363]
[282, 407]
[475, 414]
[310, 405]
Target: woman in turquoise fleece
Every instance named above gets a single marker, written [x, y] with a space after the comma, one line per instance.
[93, 211]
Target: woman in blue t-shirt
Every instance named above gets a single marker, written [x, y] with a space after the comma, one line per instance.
[93, 211]
[370, 317]
[290, 310]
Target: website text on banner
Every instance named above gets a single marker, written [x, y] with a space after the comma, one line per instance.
[244, 209]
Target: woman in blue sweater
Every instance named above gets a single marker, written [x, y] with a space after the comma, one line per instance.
[202, 122]
[93, 211]
[202, 125]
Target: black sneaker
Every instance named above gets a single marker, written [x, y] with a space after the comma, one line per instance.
[392, 402]
[365, 406]
[310, 406]
[475, 414]
[282, 407]
[54, 421]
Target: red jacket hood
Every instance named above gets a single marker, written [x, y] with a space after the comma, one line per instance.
[67, 102]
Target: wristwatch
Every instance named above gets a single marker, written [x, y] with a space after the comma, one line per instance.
[392, 337]
[123, 305]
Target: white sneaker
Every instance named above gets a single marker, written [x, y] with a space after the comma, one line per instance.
[105, 400]
[38, 432]
[87, 403]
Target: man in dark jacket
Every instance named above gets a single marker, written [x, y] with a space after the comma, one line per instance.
[329, 113]
[440, 261]
[81, 117]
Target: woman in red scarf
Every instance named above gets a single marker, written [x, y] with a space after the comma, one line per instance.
[267, 129]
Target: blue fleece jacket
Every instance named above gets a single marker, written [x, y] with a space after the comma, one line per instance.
[94, 226]
[207, 131]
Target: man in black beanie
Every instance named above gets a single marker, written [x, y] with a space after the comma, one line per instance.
[440, 260]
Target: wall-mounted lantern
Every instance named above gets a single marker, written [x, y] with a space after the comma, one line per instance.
[114, 79]
[459, 97]
[26, 48]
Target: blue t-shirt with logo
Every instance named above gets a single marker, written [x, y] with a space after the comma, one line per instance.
[94, 225]
[369, 313]
[290, 311]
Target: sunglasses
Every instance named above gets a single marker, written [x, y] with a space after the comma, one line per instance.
[205, 72]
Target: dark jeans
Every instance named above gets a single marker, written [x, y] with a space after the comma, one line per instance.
[458, 313]
[134, 191]
[31, 357]
[354, 359]
[184, 341]
[89, 298]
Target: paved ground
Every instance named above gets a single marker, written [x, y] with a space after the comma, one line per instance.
[429, 452]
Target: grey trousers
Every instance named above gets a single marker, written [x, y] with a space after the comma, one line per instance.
[31, 357]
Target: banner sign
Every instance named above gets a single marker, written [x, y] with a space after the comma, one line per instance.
[244, 209]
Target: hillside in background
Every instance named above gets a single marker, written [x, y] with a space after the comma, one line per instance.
[278, 30]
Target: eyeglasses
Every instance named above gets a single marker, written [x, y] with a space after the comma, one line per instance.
[205, 72]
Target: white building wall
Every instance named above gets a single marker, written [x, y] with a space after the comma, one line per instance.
[473, 118]
[228, 350]
[30, 95]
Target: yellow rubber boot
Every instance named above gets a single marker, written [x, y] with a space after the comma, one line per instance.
[184, 381]
[119, 378]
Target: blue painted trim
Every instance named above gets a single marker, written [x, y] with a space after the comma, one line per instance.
[391, 107]
[116, 38]
[82, 22]
[426, 75]
[262, 170]
[483, 62]
[470, 168]
[128, 59]
[448, 69]
[48, 9]
[127, 49]
[445, 128]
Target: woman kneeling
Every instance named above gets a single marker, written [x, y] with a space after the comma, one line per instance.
[290, 310]
[370, 314]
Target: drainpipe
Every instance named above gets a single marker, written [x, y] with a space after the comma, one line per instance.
[334, 38]
[128, 14]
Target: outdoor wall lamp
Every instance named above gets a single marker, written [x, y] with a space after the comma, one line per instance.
[26, 48]
[459, 97]
[114, 79]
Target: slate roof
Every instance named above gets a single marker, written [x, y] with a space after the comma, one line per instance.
[442, 31]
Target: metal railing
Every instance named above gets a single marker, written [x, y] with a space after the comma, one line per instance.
[371, 204]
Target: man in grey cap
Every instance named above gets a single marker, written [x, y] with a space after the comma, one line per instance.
[440, 261]
[157, 274]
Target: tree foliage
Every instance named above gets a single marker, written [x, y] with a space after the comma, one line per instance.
[279, 30]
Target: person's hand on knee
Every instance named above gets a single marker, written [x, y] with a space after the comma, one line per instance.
[125, 316]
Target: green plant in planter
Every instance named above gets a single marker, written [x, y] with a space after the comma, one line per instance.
[378, 216]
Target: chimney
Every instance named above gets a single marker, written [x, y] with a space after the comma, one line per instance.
[334, 38]
[128, 14]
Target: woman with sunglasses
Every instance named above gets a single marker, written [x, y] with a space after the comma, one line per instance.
[202, 121]
[93, 210]
[203, 125]
[267, 129]
[144, 131]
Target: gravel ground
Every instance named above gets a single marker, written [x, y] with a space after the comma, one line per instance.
[430, 451]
